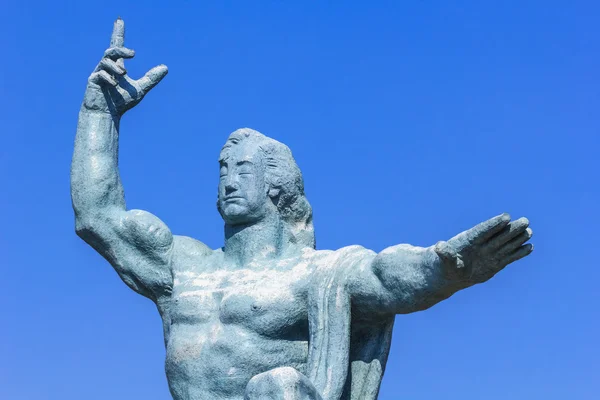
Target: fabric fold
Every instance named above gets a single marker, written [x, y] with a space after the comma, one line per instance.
[346, 359]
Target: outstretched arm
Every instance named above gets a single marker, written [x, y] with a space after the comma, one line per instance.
[404, 279]
[136, 243]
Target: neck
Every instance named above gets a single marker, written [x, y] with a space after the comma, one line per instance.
[257, 242]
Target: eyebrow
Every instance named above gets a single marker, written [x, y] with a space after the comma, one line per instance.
[224, 161]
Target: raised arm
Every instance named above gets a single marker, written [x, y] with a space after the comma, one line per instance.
[404, 279]
[136, 243]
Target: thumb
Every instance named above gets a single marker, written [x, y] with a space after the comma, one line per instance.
[446, 253]
[450, 258]
[152, 78]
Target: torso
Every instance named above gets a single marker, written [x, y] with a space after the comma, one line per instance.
[225, 325]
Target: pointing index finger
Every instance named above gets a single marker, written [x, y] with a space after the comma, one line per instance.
[118, 35]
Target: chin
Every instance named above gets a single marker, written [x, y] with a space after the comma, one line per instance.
[234, 214]
[236, 220]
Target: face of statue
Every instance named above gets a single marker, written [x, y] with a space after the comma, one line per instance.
[243, 192]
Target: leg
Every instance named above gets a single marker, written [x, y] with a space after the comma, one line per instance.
[283, 383]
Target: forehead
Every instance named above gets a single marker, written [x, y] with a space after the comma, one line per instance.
[242, 152]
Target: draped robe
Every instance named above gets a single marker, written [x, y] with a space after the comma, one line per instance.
[347, 357]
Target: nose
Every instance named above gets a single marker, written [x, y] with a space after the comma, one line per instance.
[231, 184]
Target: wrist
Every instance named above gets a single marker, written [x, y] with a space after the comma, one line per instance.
[98, 118]
[94, 102]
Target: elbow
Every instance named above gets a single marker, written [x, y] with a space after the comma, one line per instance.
[85, 228]
[93, 220]
[95, 233]
[82, 226]
[89, 228]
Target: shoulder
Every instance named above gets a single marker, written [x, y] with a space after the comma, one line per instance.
[187, 247]
[346, 257]
[344, 253]
[142, 227]
[354, 251]
[188, 252]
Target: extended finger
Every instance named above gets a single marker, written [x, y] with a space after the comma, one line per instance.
[488, 228]
[521, 252]
[482, 231]
[111, 66]
[118, 35]
[516, 242]
[102, 77]
[152, 78]
[513, 229]
[114, 53]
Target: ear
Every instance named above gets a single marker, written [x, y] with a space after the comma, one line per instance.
[273, 192]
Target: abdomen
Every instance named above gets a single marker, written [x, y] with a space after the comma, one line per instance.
[216, 361]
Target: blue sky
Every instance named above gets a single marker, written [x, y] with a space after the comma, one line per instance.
[411, 121]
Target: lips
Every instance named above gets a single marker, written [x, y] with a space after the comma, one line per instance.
[233, 198]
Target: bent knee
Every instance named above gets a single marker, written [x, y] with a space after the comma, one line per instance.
[279, 384]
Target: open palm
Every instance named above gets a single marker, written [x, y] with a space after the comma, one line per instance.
[476, 255]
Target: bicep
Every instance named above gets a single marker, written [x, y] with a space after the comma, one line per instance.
[137, 244]
[400, 279]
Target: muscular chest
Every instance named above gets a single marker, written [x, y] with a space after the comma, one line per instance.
[269, 301]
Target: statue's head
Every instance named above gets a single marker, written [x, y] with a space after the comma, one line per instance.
[259, 177]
